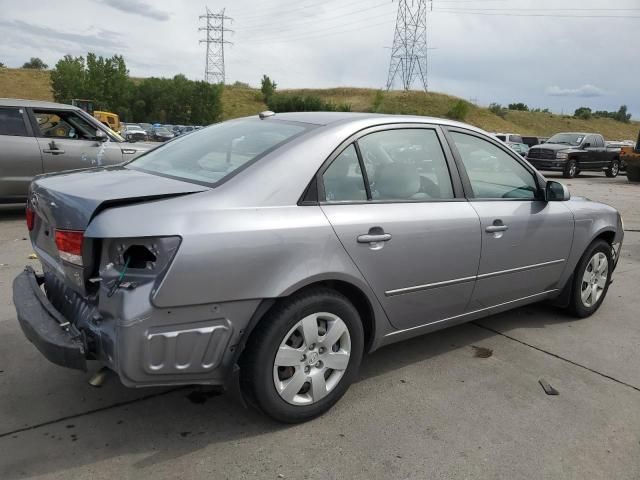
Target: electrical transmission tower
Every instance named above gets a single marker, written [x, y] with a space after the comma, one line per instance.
[215, 31]
[409, 51]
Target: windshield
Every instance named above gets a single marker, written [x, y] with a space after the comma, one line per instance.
[161, 130]
[567, 138]
[211, 154]
[133, 126]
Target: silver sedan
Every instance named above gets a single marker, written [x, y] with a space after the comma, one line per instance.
[274, 251]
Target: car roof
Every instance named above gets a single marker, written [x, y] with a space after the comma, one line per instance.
[19, 102]
[343, 118]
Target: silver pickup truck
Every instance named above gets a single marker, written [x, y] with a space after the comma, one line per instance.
[43, 137]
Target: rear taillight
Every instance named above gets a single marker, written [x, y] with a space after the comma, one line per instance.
[31, 216]
[69, 243]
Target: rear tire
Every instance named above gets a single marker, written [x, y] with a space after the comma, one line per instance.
[570, 169]
[633, 173]
[591, 279]
[294, 368]
[613, 169]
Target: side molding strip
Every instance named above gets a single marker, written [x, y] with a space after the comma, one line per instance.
[428, 286]
[472, 312]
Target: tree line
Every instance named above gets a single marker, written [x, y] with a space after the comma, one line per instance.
[107, 83]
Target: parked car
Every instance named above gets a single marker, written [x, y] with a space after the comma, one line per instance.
[572, 153]
[275, 251]
[533, 141]
[509, 137]
[148, 128]
[44, 137]
[521, 148]
[132, 132]
[161, 134]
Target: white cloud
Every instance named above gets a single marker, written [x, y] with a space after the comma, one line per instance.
[585, 91]
[137, 7]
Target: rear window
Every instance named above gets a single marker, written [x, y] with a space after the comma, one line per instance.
[12, 122]
[210, 155]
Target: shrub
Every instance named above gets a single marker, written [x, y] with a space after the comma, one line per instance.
[284, 102]
[377, 101]
[519, 106]
[583, 112]
[459, 111]
[498, 109]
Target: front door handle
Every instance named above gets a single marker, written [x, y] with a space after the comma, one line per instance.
[53, 151]
[498, 226]
[369, 238]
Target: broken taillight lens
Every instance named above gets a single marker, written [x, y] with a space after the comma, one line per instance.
[31, 216]
[69, 243]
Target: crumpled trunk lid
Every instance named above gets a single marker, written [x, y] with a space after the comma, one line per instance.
[69, 200]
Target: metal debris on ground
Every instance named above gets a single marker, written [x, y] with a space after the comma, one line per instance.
[482, 352]
[548, 389]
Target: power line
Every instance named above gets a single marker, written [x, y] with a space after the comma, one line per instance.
[214, 29]
[294, 34]
[409, 51]
[271, 26]
[508, 14]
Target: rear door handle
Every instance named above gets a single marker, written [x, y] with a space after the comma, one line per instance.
[369, 238]
[53, 151]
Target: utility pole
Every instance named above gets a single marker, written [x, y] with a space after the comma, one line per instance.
[409, 51]
[214, 38]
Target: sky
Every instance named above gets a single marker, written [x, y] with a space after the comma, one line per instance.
[503, 51]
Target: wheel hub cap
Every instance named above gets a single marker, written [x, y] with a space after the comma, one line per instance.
[312, 359]
[594, 279]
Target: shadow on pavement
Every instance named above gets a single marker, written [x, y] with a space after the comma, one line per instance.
[184, 421]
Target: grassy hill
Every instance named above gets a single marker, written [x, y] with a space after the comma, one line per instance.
[242, 101]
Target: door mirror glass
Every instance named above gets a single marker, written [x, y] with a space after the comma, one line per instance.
[556, 192]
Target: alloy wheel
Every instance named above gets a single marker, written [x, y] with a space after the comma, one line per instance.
[594, 279]
[312, 359]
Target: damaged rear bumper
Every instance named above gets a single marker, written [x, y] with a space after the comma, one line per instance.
[58, 340]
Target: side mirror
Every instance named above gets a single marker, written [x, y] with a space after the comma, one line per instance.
[556, 192]
[101, 136]
[586, 145]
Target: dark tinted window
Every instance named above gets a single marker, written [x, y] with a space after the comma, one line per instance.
[406, 164]
[493, 173]
[213, 153]
[343, 179]
[516, 139]
[12, 122]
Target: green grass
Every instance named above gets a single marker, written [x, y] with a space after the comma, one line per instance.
[242, 101]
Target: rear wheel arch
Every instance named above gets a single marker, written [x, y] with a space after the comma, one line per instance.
[353, 293]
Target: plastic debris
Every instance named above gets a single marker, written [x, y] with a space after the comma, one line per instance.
[32, 256]
[548, 389]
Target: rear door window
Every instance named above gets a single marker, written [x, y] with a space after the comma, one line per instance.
[64, 124]
[12, 122]
[406, 165]
[343, 181]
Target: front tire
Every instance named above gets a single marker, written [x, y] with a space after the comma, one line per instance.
[570, 169]
[613, 169]
[303, 356]
[591, 279]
